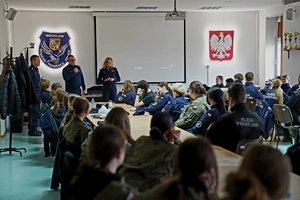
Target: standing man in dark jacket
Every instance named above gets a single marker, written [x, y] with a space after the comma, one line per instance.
[240, 124]
[295, 87]
[73, 77]
[33, 118]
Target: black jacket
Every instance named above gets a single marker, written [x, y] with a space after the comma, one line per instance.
[26, 89]
[230, 128]
[294, 105]
[10, 103]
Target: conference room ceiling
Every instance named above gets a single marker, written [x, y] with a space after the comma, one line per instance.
[146, 5]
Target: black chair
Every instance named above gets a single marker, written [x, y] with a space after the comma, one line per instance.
[245, 143]
[284, 119]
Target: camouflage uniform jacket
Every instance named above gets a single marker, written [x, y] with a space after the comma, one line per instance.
[192, 113]
[147, 161]
[76, 131]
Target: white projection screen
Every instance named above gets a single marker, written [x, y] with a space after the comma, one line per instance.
[142, 46]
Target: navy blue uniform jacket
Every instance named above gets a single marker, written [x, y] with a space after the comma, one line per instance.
[128, 98]
[73, 80]
[111, 73]
[252, 91]
[35, 77]
[175, 107]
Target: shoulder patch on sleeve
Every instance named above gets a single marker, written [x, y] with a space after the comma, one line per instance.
[169, 102]
[198, 124]
[208, 115]
[120, 98]
[194, 107]
[190, 114]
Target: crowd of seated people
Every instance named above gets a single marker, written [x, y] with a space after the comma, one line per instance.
[112, 165]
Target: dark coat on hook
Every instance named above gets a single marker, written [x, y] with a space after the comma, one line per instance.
[10, 102]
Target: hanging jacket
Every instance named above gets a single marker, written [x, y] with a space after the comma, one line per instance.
[10, 103]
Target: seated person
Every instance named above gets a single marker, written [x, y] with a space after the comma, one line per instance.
[240, 124]
[151, 158]
[97, 174]
[294, 105]
[175, 106]
[163, 99]
[144, 96]
[263, 174]
[229, 82]
[127, 94]
[198, 106]
[219, 82]
[252, 92]
[295, 87]
[275, 95]
[215, 99]
[197, 175]
[285, 86]
[238, 78]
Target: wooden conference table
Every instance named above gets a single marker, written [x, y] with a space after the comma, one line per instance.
[227, 160]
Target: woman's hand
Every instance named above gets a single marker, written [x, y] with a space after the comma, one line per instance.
[173, 136]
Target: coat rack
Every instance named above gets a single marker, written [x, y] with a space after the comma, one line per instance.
[11, 149]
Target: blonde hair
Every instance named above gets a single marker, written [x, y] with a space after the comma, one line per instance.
[276, 83]
[80, 106]
[69, 107]
[128, 86]
[107, 59]
[60, 96]
[44, 84]
[54, 86]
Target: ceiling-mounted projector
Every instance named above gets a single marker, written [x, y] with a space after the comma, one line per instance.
[175, 15]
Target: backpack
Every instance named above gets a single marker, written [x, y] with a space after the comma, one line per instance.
[43, 108]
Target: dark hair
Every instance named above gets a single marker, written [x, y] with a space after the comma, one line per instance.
[229, 80]
[54, 86]
[69, 56]
[220, 77]
[197, 87]
[249, 76]
[69, 108]
[143, 85]
[166, 85]
[237, 92]
[244, 185]
[286, 77]
[119, 118]
[270, 167]
[105, 142]
[60, 96]
[160, 123]
[33, 57]
[195, 156]
[217, 95]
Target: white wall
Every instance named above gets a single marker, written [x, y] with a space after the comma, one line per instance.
[198, 25]
[292, 66]
[28, 26]
[4, 36]
[271, 40]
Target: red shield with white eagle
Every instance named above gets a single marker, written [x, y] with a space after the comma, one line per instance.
[221, 45]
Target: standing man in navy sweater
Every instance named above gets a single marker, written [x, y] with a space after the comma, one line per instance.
[33, 118]
[73, 77]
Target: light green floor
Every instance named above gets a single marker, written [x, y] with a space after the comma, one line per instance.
[29, 177]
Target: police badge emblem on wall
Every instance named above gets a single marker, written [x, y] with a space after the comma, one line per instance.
[54, 49]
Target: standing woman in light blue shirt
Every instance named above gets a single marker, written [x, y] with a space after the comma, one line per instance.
[108, 76]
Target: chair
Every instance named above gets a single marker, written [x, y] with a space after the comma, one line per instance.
[284, 119]
[245, 143]
[251, 103]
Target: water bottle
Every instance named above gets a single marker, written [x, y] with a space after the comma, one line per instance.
[109, 104]
[92, 103]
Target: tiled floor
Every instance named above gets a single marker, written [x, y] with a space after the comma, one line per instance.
[28, 177]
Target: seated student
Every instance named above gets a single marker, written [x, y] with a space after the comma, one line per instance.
[285, 86]
[98, 174]
[127, 94]
[240, 124]
[252, 92]
[46, 97]
[229, 82]
[198, 106]
[51, 121]
[144, 96]
[163, 99]
[215, 99]
[295, 87]
[238, 78]
[176, 105]
[76, 131]
[263, 174]
[294, 105]
[196, 176]
[151, 158]
[219, 82]
[275, 95]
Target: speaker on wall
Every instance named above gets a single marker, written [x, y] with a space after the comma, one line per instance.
[11, 13]
[289, 13]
